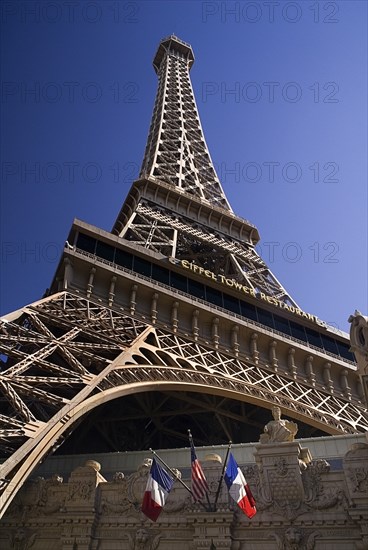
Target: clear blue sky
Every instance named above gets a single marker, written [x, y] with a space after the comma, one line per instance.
[281, 89]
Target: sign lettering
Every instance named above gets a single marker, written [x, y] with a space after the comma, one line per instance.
[240, 287]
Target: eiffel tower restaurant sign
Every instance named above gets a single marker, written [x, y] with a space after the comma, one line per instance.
[240, 287]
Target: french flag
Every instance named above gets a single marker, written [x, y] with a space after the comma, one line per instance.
[159, 485]
[238, 488]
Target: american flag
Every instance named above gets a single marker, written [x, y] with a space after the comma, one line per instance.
[199, 482]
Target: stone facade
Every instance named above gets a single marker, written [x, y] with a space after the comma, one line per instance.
[302, 504]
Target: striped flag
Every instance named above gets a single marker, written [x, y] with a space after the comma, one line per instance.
[238, 488]
[199, 482]
[159, 485]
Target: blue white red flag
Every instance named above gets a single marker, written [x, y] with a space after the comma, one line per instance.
[238, 488]
[199, 482]
[159, 485]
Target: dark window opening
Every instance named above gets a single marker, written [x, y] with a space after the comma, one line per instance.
[105, 251]
[160, 274]
[178, 281]
[231, 304]
[87, 243]
[142, 266]
[313, 338]
[344, 351]
[196, 289]
[248, 310]
[265, 318]
[125, 259]
[214, 296]
[281, 324]
[329, 344]
[298, 331]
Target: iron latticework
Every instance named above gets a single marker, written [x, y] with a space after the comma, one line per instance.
[177, 155]
[172, 316]
[176, 151]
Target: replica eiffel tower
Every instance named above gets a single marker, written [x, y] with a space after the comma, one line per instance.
[170, 321]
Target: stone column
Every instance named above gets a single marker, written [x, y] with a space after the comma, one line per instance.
[79, 518]
[281, 466]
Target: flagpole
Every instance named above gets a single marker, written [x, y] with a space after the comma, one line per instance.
[171, 471]
[222, 475]
[210, 509]
[175, 475]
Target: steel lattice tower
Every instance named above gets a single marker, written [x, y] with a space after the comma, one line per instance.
[171, 315]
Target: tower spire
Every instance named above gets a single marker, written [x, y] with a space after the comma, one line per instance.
[176, 151]
[178, 208]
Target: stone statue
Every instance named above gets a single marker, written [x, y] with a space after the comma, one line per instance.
[278, 430]
[359, 346]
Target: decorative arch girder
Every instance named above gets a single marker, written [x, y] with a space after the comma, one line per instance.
[83, 354]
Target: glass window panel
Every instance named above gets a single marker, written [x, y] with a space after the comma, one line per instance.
[314, 337]
[87, 243]
[329, 344]
[281, 324]
[214, 296]
[265, 317]
[178, 281]
[125, 259]
[344, 351]
[248, 310]
[105, 251]
[232, 304]
[196, 289]
[142, 266]
[298, 331]
[160, 274]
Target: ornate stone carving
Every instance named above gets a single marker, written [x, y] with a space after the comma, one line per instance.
[359, 479]
[80, 490]
[46, 502]
[295, 539]
[312, 479]
[21, 540]
[143, 539]
[260, 490]
[356, 470]
[119, 477]
[136, 483]
[121, 507]
[117, 502]
[317, 496]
